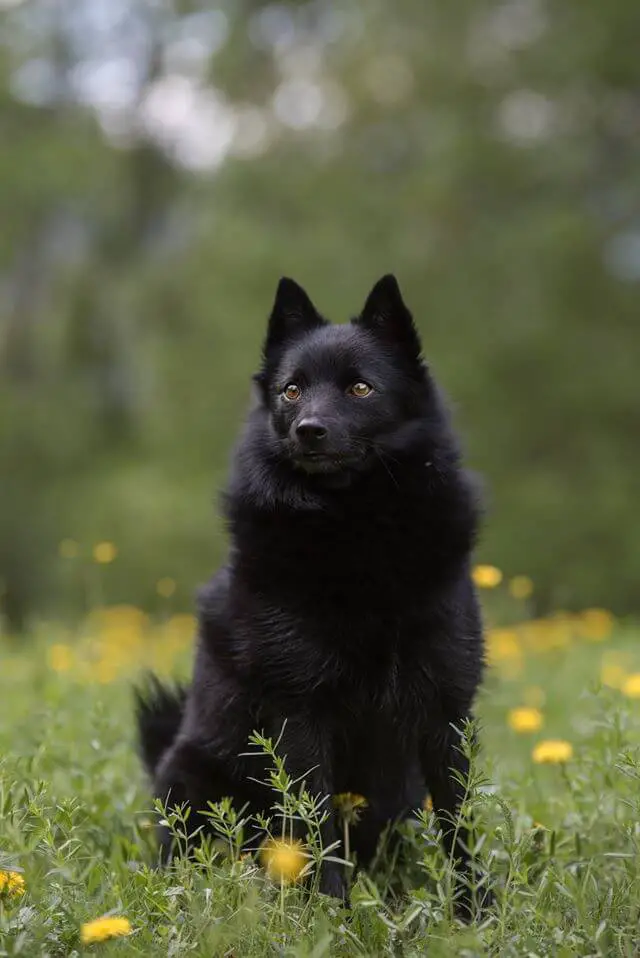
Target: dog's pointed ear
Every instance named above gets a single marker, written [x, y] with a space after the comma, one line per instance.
[292, 313]
[386, 315]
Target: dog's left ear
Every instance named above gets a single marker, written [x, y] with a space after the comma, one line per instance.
[386, 315]
[292, 314]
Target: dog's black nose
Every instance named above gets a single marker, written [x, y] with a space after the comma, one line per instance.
[311, 433]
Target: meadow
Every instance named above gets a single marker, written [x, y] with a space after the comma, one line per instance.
[554, 799]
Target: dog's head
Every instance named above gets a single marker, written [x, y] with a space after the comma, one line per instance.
[341, 398]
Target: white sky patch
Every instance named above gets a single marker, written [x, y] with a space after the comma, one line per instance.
[35, 82]
[298, 103]
[193, 41]
[189, 56]
[509, 27]
[335, 107]
[526, 116]
[517, 24]
[114, 44]
[273, 28]
[193, 123]
[108, 84]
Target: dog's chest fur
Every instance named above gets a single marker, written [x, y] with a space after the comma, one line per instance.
[346, 611]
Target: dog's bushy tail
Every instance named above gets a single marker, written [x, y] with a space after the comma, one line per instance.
[159, 711]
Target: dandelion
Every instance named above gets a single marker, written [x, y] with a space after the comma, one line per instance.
[104, 552]
[596, 624]
[525, 719]
[348, 803]
[68, 549]
[543, 635]
[118, 617]
[179, 631]
[101, 929]
[166, 587]
[552, 751]
[631, 686]
[487, 576]
[105, 670]
[60, 657]
[521, 587]
[283, 860]
[11, 884]
[613, 675]
[502, 644]
[615, 668]
[504, 650]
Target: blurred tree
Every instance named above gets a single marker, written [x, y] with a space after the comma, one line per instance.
[163, 163]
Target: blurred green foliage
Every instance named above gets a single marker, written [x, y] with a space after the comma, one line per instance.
[163, 163]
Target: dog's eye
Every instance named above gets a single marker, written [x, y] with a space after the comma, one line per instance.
[360, 390]
[291, 392]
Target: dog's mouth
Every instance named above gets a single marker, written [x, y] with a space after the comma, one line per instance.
[329, 463]
[319, 462]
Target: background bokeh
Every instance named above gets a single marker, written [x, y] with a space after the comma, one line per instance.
[163, 163]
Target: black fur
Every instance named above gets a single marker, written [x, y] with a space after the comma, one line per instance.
[159, 709]
[346, 606]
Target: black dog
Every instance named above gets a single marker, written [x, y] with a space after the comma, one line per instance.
[346, 606]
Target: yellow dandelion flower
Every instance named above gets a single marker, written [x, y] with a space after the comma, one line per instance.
[117, 618]
[60, 657]
[504, 651]
[346, 801]
[104, 552]
[283, 860]
[101, 929]
[166, 587]
[11, 884]
[179, 630]
[502, 644]
[534, 696]
[525, 719]
[596, 624]
[552, 751]
[521, 587]
[105, 670]
[487, 576]
[350, 804]
[68, 549]
[631, 686]
[613, 675]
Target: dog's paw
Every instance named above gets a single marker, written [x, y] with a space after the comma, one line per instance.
[332, 882]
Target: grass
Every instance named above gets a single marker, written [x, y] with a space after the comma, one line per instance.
[560, 840]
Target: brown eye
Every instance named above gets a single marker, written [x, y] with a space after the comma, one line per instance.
[360, 390]
[291, 392]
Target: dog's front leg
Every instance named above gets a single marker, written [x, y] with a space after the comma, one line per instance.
[306, 749]
[446, 772]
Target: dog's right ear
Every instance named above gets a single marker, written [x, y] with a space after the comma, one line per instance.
[387, 317]
[293, 313]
